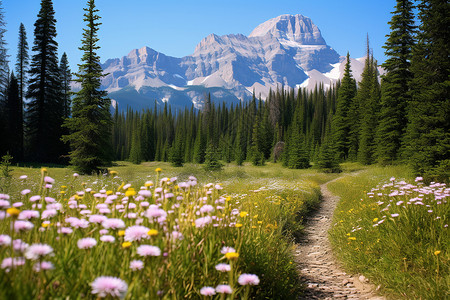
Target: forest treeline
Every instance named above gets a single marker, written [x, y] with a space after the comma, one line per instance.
[401, 117]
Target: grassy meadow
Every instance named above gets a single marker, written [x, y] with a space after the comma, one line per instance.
[393, 228]
[140, 233]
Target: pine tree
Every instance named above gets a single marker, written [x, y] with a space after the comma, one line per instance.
[240, 142]
[45, 111]
[66, 78]
[369, 94]
[200, 143]
[395, 87]
[136, 149]
[4, 68]
[298, 157]
[341, 124]
[14, 115]
[176, 151]
[326, 159]
[23, 61]
[212, 162]
[90, 125]
[428, 131]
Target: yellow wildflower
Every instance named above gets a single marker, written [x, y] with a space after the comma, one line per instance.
[130, 192]
[437, 252]
[243, 214]
[232, 255]
[352, 238]
[375, 220]
[113, 173]
[13, 212]
[228, 198]
[238, 225]
[259, 222]
[121, 232]
[157, 170]
[152, 232]
[64, 187]
[126, 245]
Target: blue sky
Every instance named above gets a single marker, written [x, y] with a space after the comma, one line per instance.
[176, 27]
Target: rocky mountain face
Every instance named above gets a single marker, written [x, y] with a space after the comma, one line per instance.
[285, 51]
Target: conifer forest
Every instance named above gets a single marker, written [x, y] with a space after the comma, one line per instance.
[303, 193]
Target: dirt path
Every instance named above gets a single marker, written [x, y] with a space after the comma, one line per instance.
[321, 274]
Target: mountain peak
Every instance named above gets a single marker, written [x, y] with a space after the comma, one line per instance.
[293, 28]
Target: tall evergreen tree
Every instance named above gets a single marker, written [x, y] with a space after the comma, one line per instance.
[200, 143]
[396, 83]
[14, 117]
[66, 78]
[90, 125]
[428, 131]
[136, 148]
[4, 68]
[45, 113]
[369, 116]
[341, 124]
[23, 61]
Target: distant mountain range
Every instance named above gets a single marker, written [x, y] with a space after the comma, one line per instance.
[288, 51]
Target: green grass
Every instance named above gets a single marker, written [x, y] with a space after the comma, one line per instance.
[270, 201]
[400, 252]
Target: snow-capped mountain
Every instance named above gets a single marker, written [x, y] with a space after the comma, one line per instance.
[288, 51]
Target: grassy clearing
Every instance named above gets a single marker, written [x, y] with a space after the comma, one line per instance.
[258, 213]
[394, 233]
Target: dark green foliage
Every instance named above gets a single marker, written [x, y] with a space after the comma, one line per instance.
[45, 109]
[13, 137]
[369, 98]
[4, 69]
[136, 148]
[212, 162]
[395, 92]
[66, 78]
[90, 125]
[23, 61]
[200, 144]
[428, 132]
[176, 152]
[341, 126]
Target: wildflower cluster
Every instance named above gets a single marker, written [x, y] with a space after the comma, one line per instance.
[111, 239]
[398, 231]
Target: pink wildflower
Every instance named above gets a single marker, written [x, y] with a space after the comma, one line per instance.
[248, 279]
[136, 233]
[105, 286]
[224, 289]
[136, 265]
[147, 250]
[208, 291]
[86, 243]
[37, 251]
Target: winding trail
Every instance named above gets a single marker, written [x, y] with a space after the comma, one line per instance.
[320, 273]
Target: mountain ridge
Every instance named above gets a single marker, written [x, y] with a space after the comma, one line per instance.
[288, 51]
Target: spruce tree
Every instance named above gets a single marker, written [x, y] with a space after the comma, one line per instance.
[212, 162]
[14, 117]
[341, 124]
[395, 87]
[298, 157]
[45, 111]
[200, 143]
[66, 78]
[176, 156]
[136, 149]
[4, 68]
[23, 61]
[428, 131]
[369, 93]
[90, 125]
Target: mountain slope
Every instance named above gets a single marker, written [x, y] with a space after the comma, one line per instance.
[285, 51]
